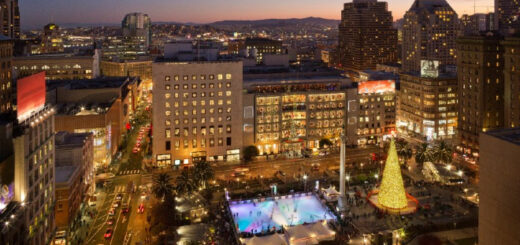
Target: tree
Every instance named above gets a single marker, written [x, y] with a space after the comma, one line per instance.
[202, 172]
[162, 187]
[325, 142]
[442, 152]
[185, 183]
[404, 151]
[423, 154]
[250, 152]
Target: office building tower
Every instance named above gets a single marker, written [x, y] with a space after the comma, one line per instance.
[498, 187]
[137, 26]
[429, 33]
[474, 24]
[10, 16]
[512, 81]
[259, 47]
[197, 111]
[427, 107]
[52, 41]
[366, 35]
[508, 16]
[480, 66]
[6, 83]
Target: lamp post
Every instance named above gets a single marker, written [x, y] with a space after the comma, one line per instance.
[348, 181]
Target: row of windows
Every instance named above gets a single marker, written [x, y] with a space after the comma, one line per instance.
[194, 111]
[195, 86]
[195, 94]
[196, 143]
[202, 77]
[194, 131]
[168, 122]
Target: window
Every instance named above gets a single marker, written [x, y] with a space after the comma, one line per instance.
[185, 144]
[228, 93]
[228, 129]
[167, 78]
[185, 86]
[167, 87]
[202, 77]
[203, 143]
[167, 95]
[185, 132]
[185, 77]
[220, 77]
[168, 122]
[220, 129]
[202, 85]
[168, 145]
[228, 85]
[211, 130]
[211, 142]
[211, 77]
[220, 142]
[176, 77]
[228, 141]
[177, 132]
[176, 87]
[177, 144]
[194, 143]
[211, 85]
[219, 85]
[193, 77]
[168, 133]
[167, 113]
[228, 76]
[194, 86]
[167, 104]
[194, 131]
[203, 131]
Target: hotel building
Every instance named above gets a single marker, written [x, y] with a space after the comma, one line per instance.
[511, 47]
[480, 90]
[197, 111]
[429, 33]
[34, 158]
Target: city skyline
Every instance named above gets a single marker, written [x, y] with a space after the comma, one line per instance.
[36, 13]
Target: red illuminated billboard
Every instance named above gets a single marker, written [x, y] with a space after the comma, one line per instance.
[371, 87]
[30, 95]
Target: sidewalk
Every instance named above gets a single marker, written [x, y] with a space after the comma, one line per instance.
[83, 222]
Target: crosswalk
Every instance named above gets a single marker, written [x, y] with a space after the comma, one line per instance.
[129, 172]
[119, 189]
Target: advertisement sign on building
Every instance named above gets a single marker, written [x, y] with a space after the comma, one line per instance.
[430, 68]
[30, 95]
[370, 87]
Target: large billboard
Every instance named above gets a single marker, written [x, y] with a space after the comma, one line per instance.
[371, 87]
[30, 95]
[430, 68]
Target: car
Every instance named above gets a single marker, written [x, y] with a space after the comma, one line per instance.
[140, 210]
[135, 150]
[119, 196]
[111, 212]
[125, 210]
[110, 221]
[108, 234]
[115, 205]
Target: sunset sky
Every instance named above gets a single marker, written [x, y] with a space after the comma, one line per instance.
[39, 12]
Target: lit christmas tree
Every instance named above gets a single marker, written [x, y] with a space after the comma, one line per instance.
[391, 192]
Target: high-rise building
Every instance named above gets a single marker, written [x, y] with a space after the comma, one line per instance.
[366, 35]
[499, 189]
[137, 26]
[508, 16]
[429, 33]
[512, 81]
[52, 41]
[34, 174]
[473, 24]
[197, 111]
[480, 68]
[10, 16]
[6, 83]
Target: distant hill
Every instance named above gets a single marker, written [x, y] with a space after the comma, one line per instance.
[310, 21]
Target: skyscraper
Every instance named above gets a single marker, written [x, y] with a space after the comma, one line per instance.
[137, 26]
[10, 18]
[508, 16]
[429, 33]
[480, 68]
[512, 81]
[366, 35]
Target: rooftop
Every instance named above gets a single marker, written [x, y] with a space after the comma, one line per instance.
[83, 109]
[97, 83]
[510, 135]
[64, 174]
[64, 138]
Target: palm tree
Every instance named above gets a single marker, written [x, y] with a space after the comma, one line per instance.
[442, 152]
[185, 183]
[202, 172]
[404, 150]
[423, 154]
[162, 187]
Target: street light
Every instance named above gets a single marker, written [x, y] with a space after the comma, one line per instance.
[376, 176]
[305, 182]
